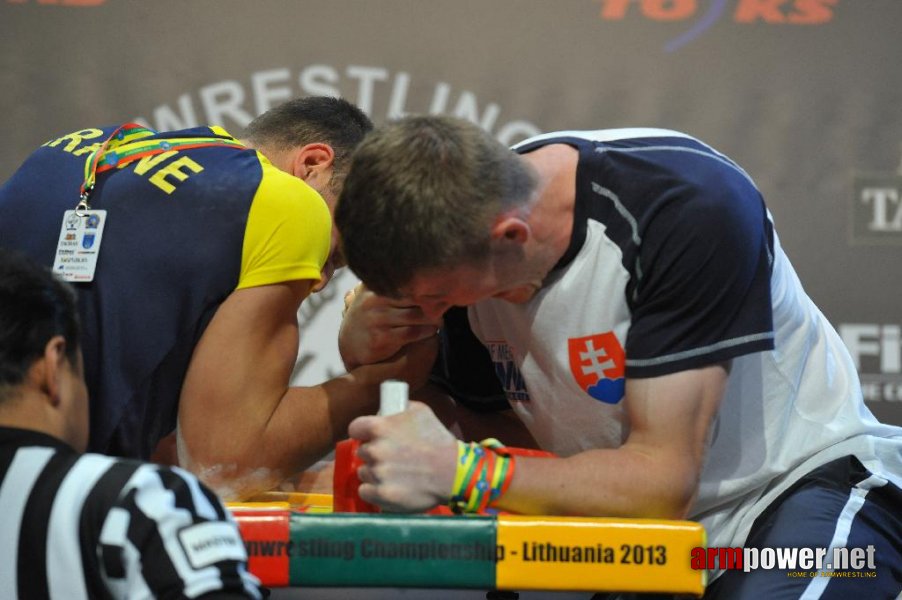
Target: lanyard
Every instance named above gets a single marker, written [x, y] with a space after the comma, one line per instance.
[127, 144]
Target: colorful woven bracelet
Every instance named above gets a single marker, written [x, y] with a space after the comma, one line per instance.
[484, 472]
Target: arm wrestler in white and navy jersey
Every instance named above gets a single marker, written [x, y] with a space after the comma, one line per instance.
[627, 297]
[84, 525]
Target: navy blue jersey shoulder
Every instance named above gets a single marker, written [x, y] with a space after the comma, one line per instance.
[170, 254]
[695, 238]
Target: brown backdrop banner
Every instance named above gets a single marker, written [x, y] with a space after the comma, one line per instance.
[805, 94]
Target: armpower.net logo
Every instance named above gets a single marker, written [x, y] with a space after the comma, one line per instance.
[701, 15]
[796, 562]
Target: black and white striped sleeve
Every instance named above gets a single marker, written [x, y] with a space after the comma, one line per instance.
[169, 536]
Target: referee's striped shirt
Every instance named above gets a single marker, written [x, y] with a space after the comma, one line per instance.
[89, 526]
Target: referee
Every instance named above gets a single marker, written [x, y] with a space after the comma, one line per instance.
[84, 525]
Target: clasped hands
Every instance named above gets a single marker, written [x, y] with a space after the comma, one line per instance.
[409, 458]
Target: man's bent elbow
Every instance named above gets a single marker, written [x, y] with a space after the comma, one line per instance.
[673, 495]
[233, 482]
[227, 472]
[680, 498]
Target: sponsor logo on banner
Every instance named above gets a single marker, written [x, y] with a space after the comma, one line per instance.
[597, 363]
[701, 15]
[377, 90]
[877, 352]
[877, 209]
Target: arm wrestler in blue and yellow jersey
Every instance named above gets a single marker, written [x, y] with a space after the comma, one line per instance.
[208, 249]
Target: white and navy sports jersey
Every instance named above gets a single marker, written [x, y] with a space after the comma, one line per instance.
[91, 526]
[673, 264]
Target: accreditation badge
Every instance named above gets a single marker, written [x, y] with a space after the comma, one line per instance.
[79, 245]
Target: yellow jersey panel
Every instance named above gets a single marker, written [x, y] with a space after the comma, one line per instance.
[288, 234]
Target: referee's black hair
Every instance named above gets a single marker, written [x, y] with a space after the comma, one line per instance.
[34, 307]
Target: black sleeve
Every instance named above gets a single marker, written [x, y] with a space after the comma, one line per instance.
[464, 368]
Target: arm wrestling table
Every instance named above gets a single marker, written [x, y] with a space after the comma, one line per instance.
[296, 541]
[297, 544]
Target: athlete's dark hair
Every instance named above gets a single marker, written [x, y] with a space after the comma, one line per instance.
[301, 121]
[34, 307]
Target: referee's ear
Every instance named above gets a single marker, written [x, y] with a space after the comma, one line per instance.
[49, 369]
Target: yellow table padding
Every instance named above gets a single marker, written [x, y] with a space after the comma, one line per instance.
[573, 553]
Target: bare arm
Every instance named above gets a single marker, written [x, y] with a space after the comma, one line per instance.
[654, 473]
[241, 428]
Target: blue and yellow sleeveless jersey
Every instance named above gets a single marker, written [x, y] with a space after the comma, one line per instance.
[184, 230]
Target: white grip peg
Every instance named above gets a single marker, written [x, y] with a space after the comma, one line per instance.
[393, 396]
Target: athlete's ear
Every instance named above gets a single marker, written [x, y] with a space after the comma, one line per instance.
[312, 160]
[511, 229]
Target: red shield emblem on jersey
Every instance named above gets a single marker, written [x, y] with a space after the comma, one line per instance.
[597, 363]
